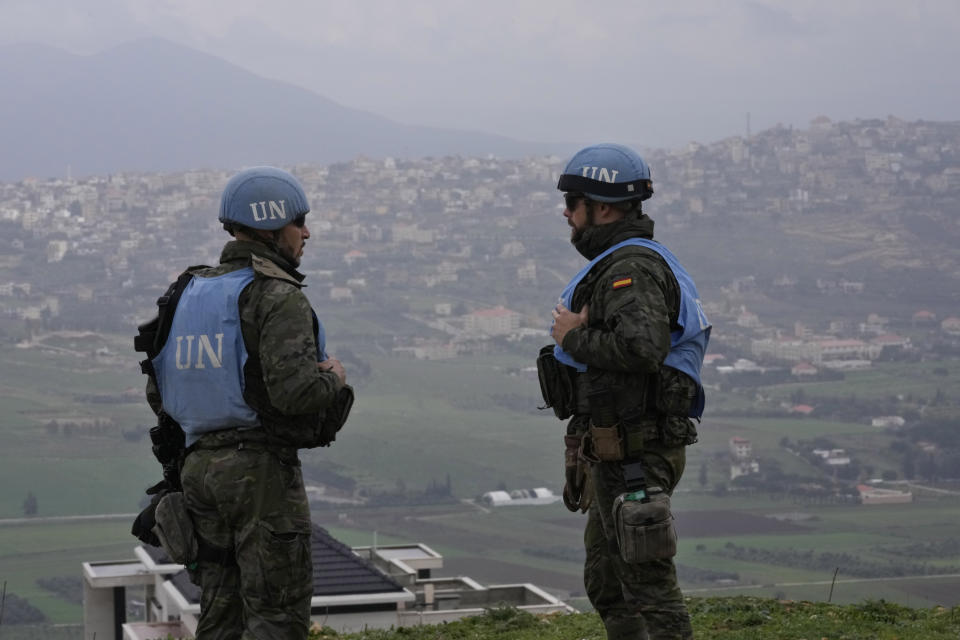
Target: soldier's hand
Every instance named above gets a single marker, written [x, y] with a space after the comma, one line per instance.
[334, 365]
[564, 320]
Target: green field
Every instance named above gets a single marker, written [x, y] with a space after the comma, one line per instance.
[884, 379]
[416, 422]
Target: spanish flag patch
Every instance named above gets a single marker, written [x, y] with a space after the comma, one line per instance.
[622, 282]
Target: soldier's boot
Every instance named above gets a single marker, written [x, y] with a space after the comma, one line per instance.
[625, 628]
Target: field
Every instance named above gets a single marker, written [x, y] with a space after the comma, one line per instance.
[474, 420]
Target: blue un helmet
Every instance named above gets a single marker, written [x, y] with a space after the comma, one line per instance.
[607, 173]
[262, 198]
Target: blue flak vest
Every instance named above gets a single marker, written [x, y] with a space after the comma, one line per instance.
[688, 344]
[199, 370]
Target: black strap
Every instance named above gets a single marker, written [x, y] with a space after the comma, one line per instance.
[633, 475]
[641, 189]
[153, 334]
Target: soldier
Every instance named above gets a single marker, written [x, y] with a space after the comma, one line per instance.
[245, 374]
[630, 338]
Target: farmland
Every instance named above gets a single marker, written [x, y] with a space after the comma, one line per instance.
[474, 421]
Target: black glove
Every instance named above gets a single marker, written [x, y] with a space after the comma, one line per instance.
[577, 493]
[143, 525]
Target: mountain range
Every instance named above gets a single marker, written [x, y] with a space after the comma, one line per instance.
[151, 105]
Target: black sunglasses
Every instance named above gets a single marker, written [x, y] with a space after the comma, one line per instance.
[571, 200]
[300, 220]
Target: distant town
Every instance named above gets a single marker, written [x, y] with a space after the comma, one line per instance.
[458, 245]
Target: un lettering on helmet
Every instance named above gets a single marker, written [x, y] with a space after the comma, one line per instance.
[607, 173]
[263, 198]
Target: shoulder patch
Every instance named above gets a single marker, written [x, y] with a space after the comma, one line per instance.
[267, 268]
[620, 283]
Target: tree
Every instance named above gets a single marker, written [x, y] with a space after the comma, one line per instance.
[703, 479]
[907, 465]
[30, 504]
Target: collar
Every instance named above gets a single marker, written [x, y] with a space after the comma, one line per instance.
[243, 250]
[598, 238]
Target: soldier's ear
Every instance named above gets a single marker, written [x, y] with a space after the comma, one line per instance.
[605, 212]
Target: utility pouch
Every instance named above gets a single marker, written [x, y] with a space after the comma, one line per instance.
[174, 528]
[336, 415]
[606, 443]
[644, 526]
[556, 386]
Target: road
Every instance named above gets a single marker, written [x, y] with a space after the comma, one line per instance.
[814, 583]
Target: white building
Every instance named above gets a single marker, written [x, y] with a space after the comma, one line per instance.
[518, 497]
[366, 587]
[740, 448]
[888, 421]
[874, 495]
[492, 322]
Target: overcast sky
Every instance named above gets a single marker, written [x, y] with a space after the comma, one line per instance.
[646, 72]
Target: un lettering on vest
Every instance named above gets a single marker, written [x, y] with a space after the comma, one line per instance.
[600, 173]
[185, 359]
[271, 209]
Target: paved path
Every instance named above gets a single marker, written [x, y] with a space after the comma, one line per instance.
[64, 519]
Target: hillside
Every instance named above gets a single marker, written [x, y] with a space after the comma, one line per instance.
[713, 619]
[152, 105]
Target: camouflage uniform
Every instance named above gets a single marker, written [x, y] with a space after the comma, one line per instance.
[244, 489]
[625, 341]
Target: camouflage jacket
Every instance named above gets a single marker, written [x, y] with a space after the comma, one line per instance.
[627, 335]
[282, 381]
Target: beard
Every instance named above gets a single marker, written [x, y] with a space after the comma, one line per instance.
[577, 233]
[290, 255]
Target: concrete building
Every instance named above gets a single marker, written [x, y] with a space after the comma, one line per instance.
[366, 587]
[492, 322]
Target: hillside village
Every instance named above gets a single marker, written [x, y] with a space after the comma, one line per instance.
[820, 254]
[470, 250]
[468, 254]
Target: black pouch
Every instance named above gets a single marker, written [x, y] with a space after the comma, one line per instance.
[639, 428]
[556, 386]
[644, 526]
[336, 416]
[676, 392]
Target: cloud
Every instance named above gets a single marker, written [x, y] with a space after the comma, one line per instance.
[536, 68]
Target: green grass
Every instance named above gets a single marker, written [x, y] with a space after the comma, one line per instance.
[737, 618]
[29, 552]
[882, 380]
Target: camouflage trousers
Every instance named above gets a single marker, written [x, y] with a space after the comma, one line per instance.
[253, 502]
[635, 601]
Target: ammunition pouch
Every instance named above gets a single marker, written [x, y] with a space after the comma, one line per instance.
[556, 384]
[603, 444]
[644, 526]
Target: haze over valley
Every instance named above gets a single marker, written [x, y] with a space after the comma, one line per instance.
[821, 230]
